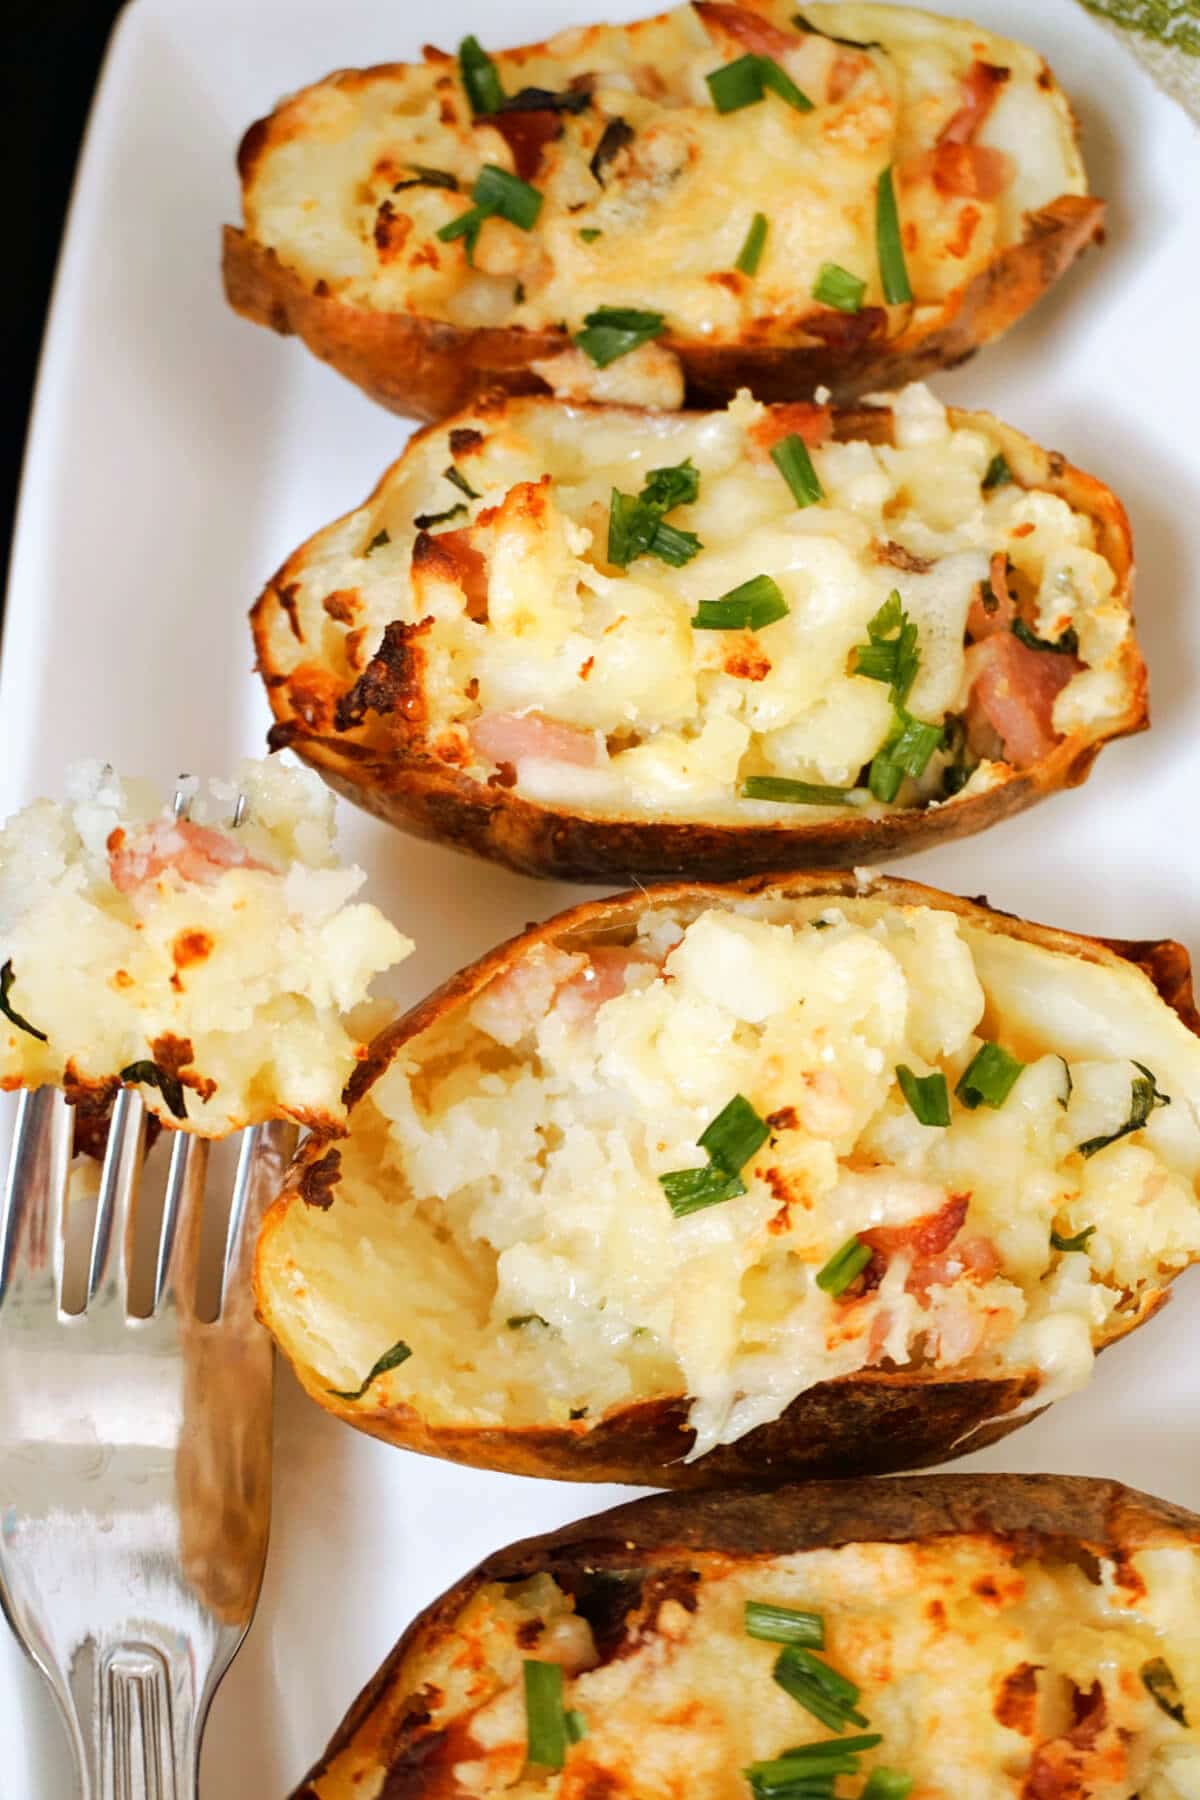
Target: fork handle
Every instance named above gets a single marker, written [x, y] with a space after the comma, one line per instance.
[139, 1726]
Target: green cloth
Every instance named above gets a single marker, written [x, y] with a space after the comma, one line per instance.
[1165, 37]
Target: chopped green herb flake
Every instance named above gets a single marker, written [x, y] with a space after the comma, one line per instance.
[1078, 1242]
[498, 192]
[927, 1095]
[1163, 1689]
[908, 749]
[467, 225]
[168, 1085]
[989, 1078]
[893, 273]
[837, 287]
[538, 99]
[887, 1784]
[545, 1720]
[391, 1359]
[752, 606]
[802, 24]
[479, 77]
[10, 1012]
[794, 793]
[377, 542]
[750, 254]
[613, 331]
[576, 1726]
[520, 1319]
[1066, 645]
[893, 659]
[791, 458]
[635, 525]
[423, 177]
[1144, 1097]
[998, 473]
[423, 521]
[1064, 1099]
[784, 1625]
[824, 1693]
[459, 480]
[671, 545]
[735, 1135]
[746, 81]
[678, 485]
[616, 134]
[691, 1190]
[843, 1267]
[589, 233]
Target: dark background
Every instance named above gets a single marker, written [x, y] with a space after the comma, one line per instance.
[48, 67]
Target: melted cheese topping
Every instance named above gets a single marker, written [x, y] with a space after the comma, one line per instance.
[501, 1207]
[662, 225]
[229, 957]
[665, 718]
[971, 1660]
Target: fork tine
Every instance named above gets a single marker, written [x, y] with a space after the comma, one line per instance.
[31, 1211]
[181, 1208]
[118, 1186]
[264, 1155]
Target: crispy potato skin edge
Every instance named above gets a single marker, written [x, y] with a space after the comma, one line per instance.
[432, 800]
[426, 368]
[1041, 1516]
[871, 1423]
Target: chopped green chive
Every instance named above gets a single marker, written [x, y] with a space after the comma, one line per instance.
[836, 286]
[1144, 1097]
[809, 1771]
[791, 458]
[691, 1190]
[887, 1784]
[756, 603]
[458, 479]
[635, 522]
[506, 195]
[794, 793]
[784, 1625]
[1078, 1242]
[824, 1693]
[423, 521]
[1064, 1099]
[1163, 1689]
[893, 274]
[589, 233]
[152, 1075]
[546, 1735]
[423, 177]
[927, 1095]
[731, 1140]
[576, 1726]
[909, 746]
[745, 83]
[520, 1319]
[750, 254]
[735, 1135]
[479, 77]
[613, 331]
[998, 472]
[466, 225]
[391, 1359]
[989, 1078]
[377, 542]
[894, 660]
[10, 1013]
[1066, 645]
[843, 1267]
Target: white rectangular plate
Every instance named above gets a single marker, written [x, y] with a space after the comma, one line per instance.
[178, 454]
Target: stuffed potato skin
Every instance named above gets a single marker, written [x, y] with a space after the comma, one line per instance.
[1047, 1520]
[874, 1421]
[401, 779]
[429, 344]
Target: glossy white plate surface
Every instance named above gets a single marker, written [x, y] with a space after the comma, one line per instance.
[177, 454]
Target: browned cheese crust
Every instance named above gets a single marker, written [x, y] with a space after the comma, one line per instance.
[1051, 1518]
[872, 1422]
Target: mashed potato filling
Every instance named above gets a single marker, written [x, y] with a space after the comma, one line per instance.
[216, 965]
[647, 190]
[543, 665]
[983, 1672]
[510, 1196]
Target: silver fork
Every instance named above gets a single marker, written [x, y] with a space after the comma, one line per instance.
[135, 1453]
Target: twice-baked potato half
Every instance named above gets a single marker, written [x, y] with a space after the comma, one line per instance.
[1007, 1637]
[212, 955]
[724, 195]
[596, 642]
[799, 1176]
